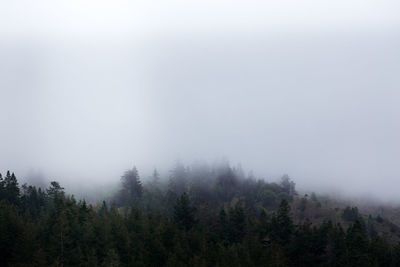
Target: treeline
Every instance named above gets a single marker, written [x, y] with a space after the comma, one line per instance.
[210, 186]
[196, 217]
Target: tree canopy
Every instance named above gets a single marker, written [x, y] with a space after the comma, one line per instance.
[234, 221]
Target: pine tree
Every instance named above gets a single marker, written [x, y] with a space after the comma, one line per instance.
[178, 179]
[11, 189]
[2, 189]
[227, 183]
[55, 190]
[282, 225]
[184, 213]
[223, 225]
[288, 186]
[11, 233]
[237, 223]
[132, 190]
[357, 244]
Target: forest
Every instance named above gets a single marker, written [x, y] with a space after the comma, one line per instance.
[196, 216]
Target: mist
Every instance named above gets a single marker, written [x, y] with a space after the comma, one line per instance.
[88, 92]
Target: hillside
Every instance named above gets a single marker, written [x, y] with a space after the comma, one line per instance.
[199, 216]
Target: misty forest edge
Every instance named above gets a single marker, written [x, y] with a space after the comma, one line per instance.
[203, 216]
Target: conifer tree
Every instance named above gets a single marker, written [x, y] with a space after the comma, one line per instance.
[282, 225]
[178, 180]
[237, 223]
[2, 193]
[55, 190]
[184, 213]
[11, 189]
[132, 190]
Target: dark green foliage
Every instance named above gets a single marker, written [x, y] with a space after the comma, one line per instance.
[10, 189]
[281, 227]
[233, 222]
[11, 231]
[308, 245]
[236, 224]
[184, 213]
[358, 245]
[55, 190]
[132, 190]
[350, 214]
[223, 226]
[226, 184]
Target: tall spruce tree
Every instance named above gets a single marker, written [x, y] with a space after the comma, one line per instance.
[184, 213]
[282, 225]
[132, 190]
[11, 189]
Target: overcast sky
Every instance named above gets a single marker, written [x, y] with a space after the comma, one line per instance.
[308, 88]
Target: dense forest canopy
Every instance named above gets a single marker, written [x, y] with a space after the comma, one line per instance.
[204, 216]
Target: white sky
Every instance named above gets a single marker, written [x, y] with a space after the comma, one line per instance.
[118, 17]
[308, 88]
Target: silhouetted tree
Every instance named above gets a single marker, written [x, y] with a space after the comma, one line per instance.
[237, 223]
[350, 214]
[11, 191]
[178, 179]
[288, 186]
[226, 184]
[282, 225]
[132, 190]
[55, 190]
[184, 212]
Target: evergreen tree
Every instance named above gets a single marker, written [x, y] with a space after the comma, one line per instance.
[51, 228]
[178, 180]
[11, 189]
[282, 227]
[184, 213]
[223, 230]
[11, 233]
[55, 190]
[350, 214]
[237, 224]
[287, 185]
[357, 243]
[132, 190]
[2, 189]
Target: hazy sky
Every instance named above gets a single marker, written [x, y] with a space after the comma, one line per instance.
[308, 88]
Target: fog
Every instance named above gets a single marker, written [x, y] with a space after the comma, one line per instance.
[306, 88]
